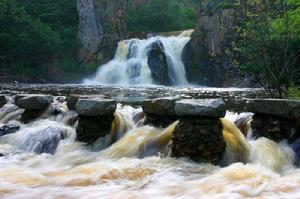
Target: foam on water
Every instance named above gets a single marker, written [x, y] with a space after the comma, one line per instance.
[137, 165]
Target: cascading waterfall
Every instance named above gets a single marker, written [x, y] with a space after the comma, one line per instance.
[130, 64]
[42, 159]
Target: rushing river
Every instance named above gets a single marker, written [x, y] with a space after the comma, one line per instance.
[137, 164]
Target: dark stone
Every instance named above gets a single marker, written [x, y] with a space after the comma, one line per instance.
[96, 107]
[33, 102]
[158, 65]
[283, 108]
[160, 106]
[8, 129]
[199, 138]
[3, 100]
[274, 128]
[203, 107]
[72, 99]
[45, 140]
[29, 115]
[91, 129]
[160, 121]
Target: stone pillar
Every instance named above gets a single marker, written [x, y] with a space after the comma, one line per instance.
[34, 105]
[95, 118]
[275, 119]
[198, 134]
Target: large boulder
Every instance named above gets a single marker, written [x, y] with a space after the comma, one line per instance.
[157, 62]
[8, 129]
[200, 107]
[33, 102]
[45, 140]
[96, 107]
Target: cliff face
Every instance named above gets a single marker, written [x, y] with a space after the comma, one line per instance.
[101, 25]
[204, 56]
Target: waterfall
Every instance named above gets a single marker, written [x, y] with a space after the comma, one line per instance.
[130, 64]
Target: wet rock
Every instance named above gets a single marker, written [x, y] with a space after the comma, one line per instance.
[95, 118]
[34, 105]
[158, 65]
[90, 129]
[8, 129]
[33, 102]
[3, 100]
[45, 141]
[274, 128]
[160, 106]
[96, 107]
[72, 99]
[203, 107]
[199, 138]
[283, 108]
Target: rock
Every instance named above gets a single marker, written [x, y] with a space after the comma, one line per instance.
[101, 25]
[160, 106]
[289, 109]
[90, 129]
[205, 107]
[199, 138]
[3, 100]
[72, 100]
[274, 128]
[204, 55]
[96, 107]
[33, 102]
[45, 140]
[8, 129]
[158, 65]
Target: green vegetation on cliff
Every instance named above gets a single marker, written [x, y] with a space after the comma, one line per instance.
[161, 15]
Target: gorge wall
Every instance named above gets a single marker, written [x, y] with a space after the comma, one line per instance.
[101, 25]
[204, 56]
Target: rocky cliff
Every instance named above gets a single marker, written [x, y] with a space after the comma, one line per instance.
[205, 57]
[101, 25]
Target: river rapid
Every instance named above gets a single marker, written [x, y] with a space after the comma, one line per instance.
[137, 164]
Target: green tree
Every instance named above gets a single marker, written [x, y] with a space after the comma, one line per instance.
[161, 15]
[24, 41]
[268, 43]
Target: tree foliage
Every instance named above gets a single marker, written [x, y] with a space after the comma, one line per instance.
[268, 42]
[161, 15]
[33, 31]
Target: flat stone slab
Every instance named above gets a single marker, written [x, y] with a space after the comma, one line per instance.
[96, 107]
[202, 107]
[72, 99]
[284, 108]
[160, 106]
[33, 102]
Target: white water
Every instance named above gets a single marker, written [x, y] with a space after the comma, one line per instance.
[130, 65]
[77, 171]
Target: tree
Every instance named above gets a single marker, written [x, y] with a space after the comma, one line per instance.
[268, 43]
[161, 15]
